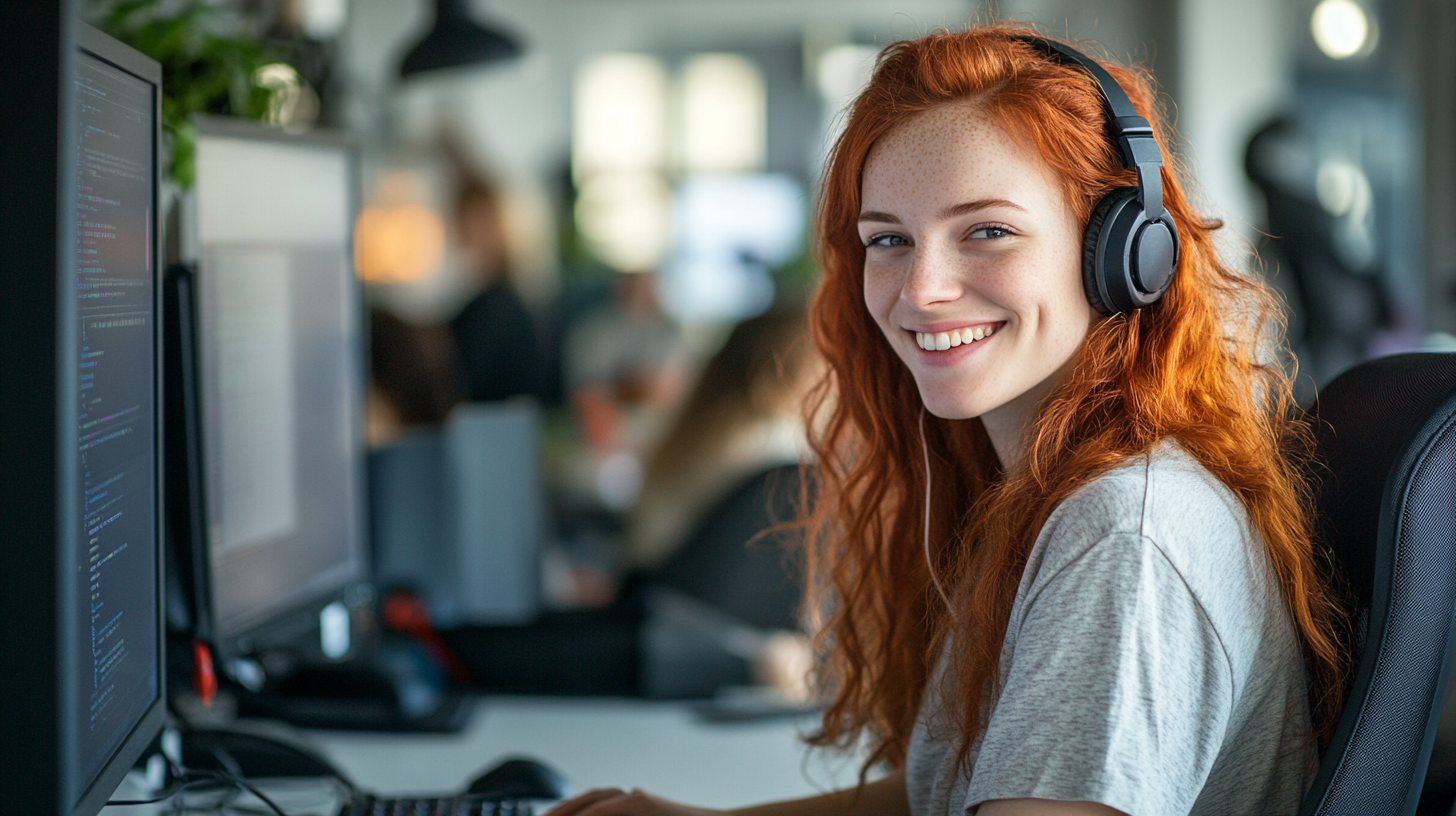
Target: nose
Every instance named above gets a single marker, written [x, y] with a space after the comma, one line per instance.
[933, 276]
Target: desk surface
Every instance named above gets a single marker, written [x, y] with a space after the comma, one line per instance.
[660, 747]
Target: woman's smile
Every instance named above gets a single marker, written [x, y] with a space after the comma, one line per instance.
[942, 339]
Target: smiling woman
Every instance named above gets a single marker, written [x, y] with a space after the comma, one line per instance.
[1060, 552]
[1116, 512]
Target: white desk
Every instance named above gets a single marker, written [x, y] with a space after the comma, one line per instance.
[660, 747]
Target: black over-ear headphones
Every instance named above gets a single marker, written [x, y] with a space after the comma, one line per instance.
[1130, 248]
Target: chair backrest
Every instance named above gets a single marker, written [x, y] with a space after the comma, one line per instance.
[722, 563]
[1387, 505]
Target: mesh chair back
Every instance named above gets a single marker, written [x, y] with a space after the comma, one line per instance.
[1387, 444]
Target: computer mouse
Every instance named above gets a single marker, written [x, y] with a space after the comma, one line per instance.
[520, 778]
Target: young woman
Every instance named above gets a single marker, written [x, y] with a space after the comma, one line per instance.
[1062, 558]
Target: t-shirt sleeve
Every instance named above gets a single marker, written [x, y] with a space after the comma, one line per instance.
[1118, 690]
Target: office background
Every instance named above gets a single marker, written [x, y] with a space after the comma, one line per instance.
[630, 191]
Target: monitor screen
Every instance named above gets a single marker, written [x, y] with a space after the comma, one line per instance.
[117, 645]
[281, 372]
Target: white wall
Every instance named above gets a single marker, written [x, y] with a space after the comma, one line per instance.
[1235, 68]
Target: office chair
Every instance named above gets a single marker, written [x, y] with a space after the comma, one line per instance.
[758, 582]
[1387, 513]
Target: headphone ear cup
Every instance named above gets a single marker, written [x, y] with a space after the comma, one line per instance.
[1093, 284]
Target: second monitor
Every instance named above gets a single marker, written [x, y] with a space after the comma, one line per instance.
[278, 320]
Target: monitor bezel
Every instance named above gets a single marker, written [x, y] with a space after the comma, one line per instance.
[91, 795]
[286, 623]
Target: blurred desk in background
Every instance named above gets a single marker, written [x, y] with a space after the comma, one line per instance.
[662, 747]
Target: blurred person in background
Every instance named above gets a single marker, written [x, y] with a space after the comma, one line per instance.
[744, 417]
[1059, 550]
[725, 475]
[625, 367]
[1325, 239]
[497, 343]
[412, 376]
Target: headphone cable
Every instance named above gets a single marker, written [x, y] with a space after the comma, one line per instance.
[930, 563]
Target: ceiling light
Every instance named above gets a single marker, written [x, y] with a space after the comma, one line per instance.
[724, 115]
[1341, 28]
[619, 115]
[455, 41]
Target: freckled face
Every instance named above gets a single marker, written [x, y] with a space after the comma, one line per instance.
[967, 236]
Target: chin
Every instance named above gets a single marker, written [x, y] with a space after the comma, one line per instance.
[944, 405]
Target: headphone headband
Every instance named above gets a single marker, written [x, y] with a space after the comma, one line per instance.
[1129, 131]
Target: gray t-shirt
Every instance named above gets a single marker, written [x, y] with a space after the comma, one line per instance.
[1150, 663]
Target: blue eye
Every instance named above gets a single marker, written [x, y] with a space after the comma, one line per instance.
[887, 240]
[990, 232]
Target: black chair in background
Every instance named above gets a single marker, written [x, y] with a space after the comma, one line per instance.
[756, 580]
[1387, 445]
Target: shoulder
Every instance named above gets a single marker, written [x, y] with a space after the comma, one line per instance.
[1164, 495]
[1163, 516]
[1161, 511]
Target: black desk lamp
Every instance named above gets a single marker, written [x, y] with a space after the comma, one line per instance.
[455, 40]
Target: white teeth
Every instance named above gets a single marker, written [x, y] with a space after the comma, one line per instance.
[940, 341]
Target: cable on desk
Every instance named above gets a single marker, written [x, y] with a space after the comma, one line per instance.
[235, 773]
[163, 796]
[232, 779]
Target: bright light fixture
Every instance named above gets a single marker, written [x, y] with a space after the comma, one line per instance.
[1341, 28]
[323, 19]
[398, 239]
[618, 115]
[724, 109]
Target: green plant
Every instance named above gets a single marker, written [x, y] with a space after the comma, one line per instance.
[209, 65]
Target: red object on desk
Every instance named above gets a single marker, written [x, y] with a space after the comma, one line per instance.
[204, 677]
[406, 613]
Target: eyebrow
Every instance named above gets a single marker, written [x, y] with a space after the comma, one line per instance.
[952, 211]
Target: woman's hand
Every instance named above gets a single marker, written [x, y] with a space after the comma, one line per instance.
[615, 802]
[883, 797]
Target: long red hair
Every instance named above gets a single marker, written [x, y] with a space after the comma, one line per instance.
[1196, 366]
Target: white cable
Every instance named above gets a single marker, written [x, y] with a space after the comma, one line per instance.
[930, 564]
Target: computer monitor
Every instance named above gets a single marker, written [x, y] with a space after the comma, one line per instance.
[280, 373]
[81, 658]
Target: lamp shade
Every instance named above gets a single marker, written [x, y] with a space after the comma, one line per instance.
[455, 40]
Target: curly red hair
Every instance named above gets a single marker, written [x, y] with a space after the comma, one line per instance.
[1196, 366]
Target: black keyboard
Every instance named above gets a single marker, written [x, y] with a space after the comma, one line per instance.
[463, 805]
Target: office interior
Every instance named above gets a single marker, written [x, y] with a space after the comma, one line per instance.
[530, 496]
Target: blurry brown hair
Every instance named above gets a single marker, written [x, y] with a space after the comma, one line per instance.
[747, 381]
[413, 367]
